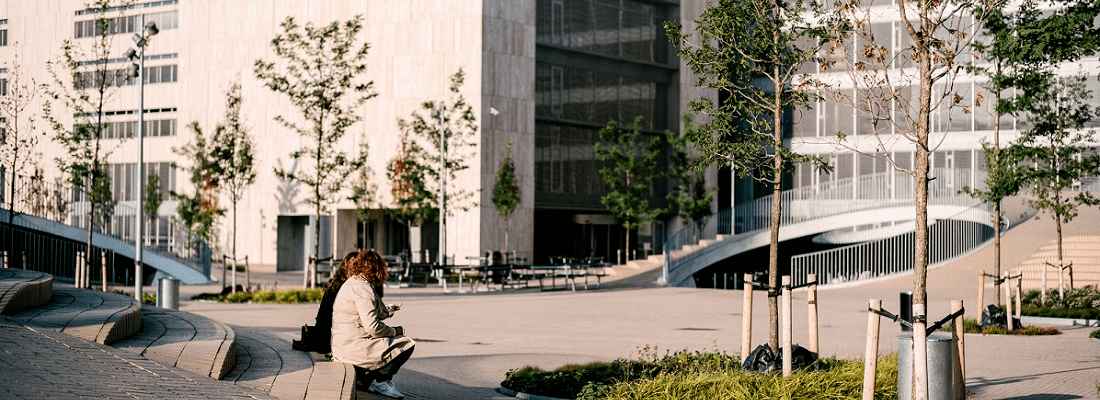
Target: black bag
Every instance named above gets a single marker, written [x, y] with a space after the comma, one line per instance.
[995, 316]
[318, 338]
[763, 360]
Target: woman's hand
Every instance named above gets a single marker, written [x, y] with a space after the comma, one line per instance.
[393, 307]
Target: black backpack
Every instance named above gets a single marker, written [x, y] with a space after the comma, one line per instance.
[318, 338]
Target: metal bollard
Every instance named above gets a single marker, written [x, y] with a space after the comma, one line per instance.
[905, 309]
[168, 294]
[941, 356]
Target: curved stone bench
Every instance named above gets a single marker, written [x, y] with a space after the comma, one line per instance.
[97, 316]
[20, 290]
[185, 340]
[266, 361]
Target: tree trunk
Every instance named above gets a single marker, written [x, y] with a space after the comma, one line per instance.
[997, 249]
[920, 245]
[1061, 260]
[86, 268]
[777, 212]
[507, 228]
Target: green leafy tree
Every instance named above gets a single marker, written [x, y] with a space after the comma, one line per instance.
[1053, 153]
[235, 150]
[1022, 49]
[751, 50]
[451, 122]
[17, 134]
[83, 90]
[364, 191]
[152, 198]
[690, 197]
[199, 210]
[1000, 180]
[320, 71]
[631, 166]
[506, 194]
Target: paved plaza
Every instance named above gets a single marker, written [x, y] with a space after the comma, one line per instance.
[467, 342]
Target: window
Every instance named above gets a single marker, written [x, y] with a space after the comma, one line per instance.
[3, 37]
[626, 29]
[129, 129]
[3, 87]
[128, 24]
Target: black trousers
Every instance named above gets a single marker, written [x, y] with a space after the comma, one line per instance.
[387, 371]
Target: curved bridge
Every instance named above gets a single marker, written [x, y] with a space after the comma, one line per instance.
[820, 210]
[187, 271]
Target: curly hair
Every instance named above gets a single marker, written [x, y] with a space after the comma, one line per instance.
[370, 265]
[341, 274]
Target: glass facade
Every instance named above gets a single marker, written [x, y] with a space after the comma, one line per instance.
[595, 61]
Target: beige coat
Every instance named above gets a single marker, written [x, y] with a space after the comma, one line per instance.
[359, 336]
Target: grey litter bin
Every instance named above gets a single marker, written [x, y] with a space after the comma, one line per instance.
[940, 374]
[168, 293]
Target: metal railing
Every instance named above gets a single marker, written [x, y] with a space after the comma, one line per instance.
[56, 256]
[947, 238]
[60, 202]
[827, 199]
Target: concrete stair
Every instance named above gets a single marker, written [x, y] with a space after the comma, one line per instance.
[92, 315]
[184, 340]
[20, 290]
[267, 362]
[1083, 251]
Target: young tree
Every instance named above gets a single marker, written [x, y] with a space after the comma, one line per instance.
[451, 124]
[17, 136]
[1021, 48]
[690, 198]
[320, 71]
[751, 51]
[235, 150]
[363, 191]
[630, 167]
[152, 198]
[506, 191]
[412, 198]
[82, 85]
[1053, 152]
[893, 89]
[199, 210]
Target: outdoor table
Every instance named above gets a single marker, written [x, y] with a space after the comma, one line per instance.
[570, 271]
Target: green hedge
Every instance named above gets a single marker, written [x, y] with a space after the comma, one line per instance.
[692, 375]
[288, 296]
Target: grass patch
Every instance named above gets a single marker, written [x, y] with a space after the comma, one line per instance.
[692, 375]
[287, 296]
[1095, 334]
[971, 326]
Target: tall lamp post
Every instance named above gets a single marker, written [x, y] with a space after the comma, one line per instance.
[443, 133]
[136, 69]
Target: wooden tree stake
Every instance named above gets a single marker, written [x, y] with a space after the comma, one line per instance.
[870, 358]
[746, 319]
[812, 311]
[958, 337]
[786, 331]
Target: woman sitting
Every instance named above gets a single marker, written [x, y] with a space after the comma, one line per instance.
[359, 337]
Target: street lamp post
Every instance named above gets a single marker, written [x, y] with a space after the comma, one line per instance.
[443, 132]
[141, 39]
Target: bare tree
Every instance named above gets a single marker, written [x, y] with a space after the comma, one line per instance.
[83, 83]
[17, 141]
[897, 90]
[235, 150]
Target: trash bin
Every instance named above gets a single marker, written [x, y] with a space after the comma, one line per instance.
[168, 293]
[941, 354]
[905, 309]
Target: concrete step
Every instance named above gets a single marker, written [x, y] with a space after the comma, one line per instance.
[184, 340]
[20, 290]
[267, 362]
[88, 314]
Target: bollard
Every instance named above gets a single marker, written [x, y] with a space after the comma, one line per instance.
[786, 332]
[940, 371]
[168, 294]
[811, 305]
[746, 319]
[1043, 289]
[905, 309]
[234, 275]
[103, 270]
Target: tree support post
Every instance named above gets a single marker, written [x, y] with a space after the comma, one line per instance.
[746, 319]
[958, 337]
[787, 331]
[812, 311]
[981, 293]
[870, 358]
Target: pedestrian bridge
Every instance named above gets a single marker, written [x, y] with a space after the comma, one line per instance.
[50, 225]
[869, 216]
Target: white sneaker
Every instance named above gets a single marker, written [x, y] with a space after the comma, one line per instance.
[385, 388]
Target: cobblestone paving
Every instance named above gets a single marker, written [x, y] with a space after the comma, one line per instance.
[37, 363]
